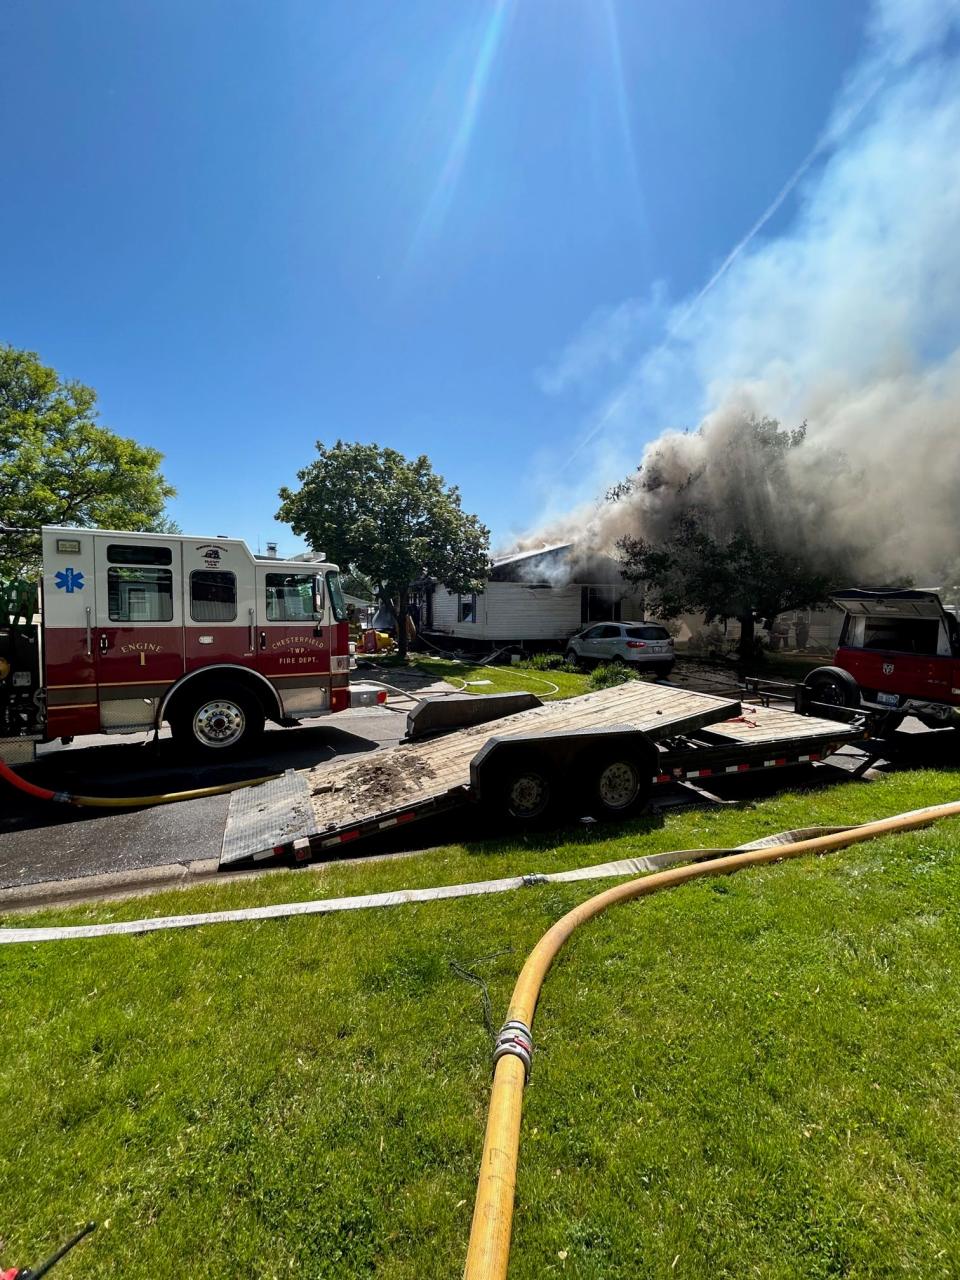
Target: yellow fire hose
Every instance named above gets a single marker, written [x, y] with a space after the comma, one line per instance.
[489, 1249]
[122, 802]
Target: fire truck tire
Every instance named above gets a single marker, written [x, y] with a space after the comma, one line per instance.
[219, 720]
[833, 686]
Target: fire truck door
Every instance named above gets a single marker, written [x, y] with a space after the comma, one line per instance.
[138, 640]
[293, 640]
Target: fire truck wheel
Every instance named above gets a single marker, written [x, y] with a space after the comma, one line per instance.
[219, 719]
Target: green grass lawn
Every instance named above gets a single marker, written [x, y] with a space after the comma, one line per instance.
[750, 1077]
[547, 685]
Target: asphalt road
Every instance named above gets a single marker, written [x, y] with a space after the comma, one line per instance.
[40, 841]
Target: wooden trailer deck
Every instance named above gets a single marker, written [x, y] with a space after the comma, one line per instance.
[358, 795]
[756, 725]
[358, 789]
[385, 786]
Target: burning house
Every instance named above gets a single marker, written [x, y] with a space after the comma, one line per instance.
[531, 597]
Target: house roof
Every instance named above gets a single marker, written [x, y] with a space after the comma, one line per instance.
[516, 556]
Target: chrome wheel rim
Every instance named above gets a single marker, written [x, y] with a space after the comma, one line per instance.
[219, 723]
[619, 785]
[528, 796]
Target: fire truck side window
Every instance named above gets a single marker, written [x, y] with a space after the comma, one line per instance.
[290, 597]
[213, 596]
[118, 554]
[140, 594]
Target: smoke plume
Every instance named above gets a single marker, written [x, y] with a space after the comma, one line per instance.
[849, 321]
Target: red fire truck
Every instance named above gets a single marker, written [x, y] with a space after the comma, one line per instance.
[134, 629]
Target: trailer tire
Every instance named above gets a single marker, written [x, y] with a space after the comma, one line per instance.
[833, 686]
[525, 790]
[617, 782]
[217, 720]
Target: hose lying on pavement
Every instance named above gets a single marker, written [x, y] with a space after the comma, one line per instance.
[489, 1249]
[122, 802]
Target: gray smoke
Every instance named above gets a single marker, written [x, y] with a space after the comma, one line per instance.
[850, 321]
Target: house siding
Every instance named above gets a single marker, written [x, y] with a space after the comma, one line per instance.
[518, 611]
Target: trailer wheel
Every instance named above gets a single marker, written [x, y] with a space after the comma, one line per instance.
[525, 789]
[220, 719]
[618, 782]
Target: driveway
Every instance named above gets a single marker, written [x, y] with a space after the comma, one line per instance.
[40, 841]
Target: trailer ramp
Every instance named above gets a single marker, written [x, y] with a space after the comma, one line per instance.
[359, 795]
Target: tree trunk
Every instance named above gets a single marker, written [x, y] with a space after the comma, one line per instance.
[402, 602]
[745, 647]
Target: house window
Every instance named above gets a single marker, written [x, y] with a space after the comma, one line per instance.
[467, 608]
[140, 594]
[599, 604]
[213, 596]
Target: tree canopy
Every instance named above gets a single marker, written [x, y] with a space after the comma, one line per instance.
[58, 465]
[390, 517]
[731, 549]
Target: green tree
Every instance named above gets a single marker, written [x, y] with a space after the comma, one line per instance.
[58, 465]
[389, 517]
[728, 546]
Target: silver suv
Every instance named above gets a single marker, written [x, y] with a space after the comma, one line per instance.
[642, 644]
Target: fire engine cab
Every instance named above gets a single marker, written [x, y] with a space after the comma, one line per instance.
[899, 655]
[129, 630]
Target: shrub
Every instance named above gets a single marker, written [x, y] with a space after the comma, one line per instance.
[545, 662]
[608, 674]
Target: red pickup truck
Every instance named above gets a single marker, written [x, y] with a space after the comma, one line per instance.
[899, 654]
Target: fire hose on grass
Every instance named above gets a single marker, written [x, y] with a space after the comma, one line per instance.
[122, 802]
[489, 1248]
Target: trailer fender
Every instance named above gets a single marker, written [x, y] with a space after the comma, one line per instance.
[565, 771]
[252, 680]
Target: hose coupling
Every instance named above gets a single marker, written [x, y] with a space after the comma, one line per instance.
[534, 877]
[515, 1038]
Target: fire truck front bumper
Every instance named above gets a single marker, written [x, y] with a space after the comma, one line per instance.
[367, 695]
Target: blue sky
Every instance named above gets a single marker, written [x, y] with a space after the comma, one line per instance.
[253, 225]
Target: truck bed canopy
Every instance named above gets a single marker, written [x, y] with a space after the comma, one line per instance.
[898, 602]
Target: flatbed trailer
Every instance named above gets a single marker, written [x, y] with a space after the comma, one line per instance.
[603, 753]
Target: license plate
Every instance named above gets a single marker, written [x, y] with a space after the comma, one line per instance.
[888, 700]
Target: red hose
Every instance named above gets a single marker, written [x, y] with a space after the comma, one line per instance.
[21, 784]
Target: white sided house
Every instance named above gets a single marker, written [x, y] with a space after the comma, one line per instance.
[530, 598]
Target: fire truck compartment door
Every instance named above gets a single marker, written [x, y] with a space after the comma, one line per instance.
[138, 639]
